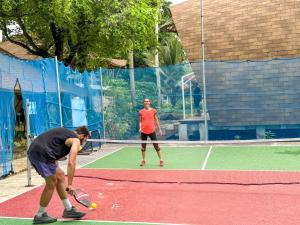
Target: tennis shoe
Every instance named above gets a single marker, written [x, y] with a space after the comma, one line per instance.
[143, 162]
[161, 163]
[73, 213]
[43, 219]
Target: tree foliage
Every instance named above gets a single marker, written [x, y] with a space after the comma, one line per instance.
[82, 33]
[170, 52]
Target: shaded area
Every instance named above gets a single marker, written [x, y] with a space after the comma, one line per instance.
[289, 152]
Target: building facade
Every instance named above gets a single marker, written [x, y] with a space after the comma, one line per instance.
[251, 57]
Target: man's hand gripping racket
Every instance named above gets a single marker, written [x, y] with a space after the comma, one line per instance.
[81, 197]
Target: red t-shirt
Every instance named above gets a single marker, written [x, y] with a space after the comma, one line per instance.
[147, 120]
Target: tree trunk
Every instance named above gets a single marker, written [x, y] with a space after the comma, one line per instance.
[58, 36]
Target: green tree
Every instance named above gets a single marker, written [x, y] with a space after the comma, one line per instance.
[172, 65]
[81, 33]
[169, 47]
[170, 52]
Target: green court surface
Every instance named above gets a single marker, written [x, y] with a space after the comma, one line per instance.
[174, 157]
[10, 221]
[254, 158]
[281, 158]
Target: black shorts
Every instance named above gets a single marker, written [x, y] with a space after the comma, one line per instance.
[43, 167]
[145, 136]
[152, 137]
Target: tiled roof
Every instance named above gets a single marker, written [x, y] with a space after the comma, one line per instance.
[118, 62]
[16, 51]
[21, 53]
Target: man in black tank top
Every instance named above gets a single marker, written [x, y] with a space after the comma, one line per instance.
[43, 154]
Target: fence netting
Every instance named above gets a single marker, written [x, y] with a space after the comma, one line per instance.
[36, 81]
[244, 100]
[123, 101]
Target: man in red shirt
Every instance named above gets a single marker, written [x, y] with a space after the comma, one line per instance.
[148, 120]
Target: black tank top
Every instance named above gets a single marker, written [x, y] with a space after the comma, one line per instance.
[50, 146]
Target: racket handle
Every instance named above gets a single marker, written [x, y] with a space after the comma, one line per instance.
[68, 189]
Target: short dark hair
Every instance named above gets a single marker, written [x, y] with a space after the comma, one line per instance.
[83, 130]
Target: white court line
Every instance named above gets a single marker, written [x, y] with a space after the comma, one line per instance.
[198, 142]
[81, 167]
[23, 192]
[219, 170]
[206, 158]
[139, 169]
[37, 186]
[114, 151]
[97, 221]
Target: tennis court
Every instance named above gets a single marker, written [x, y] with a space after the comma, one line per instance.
[252, 184]
[216, 82]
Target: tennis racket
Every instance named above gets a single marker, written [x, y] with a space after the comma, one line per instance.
[81, 197]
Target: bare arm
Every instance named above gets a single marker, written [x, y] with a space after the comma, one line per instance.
[74, 143]
[140, 124]
[156, 120]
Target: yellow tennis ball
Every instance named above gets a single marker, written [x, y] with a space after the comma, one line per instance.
[93, 205]
[80, 148]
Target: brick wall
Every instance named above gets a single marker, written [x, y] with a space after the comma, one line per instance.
[239, 29]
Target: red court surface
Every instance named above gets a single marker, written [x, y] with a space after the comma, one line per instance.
[180, 203]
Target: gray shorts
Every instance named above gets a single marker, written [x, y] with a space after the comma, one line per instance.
[44, 169]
